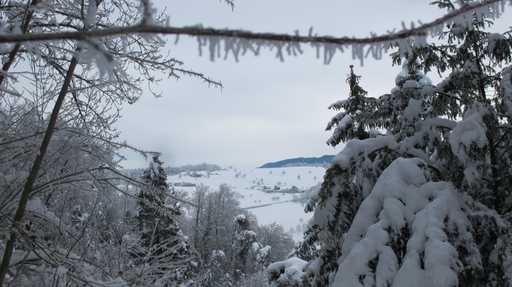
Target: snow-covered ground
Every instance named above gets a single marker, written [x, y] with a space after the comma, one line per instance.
[268, 207]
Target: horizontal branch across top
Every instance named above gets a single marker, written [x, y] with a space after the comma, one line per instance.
[420, 31]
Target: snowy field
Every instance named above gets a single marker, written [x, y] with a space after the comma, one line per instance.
[268, 207]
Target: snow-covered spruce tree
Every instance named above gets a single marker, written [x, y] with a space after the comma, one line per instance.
[244, 238]
[163, 257]
[344, 187]
[476, 156]
[427, 203]
[249, 255]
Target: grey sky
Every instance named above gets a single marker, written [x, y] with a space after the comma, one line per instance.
[268, 110]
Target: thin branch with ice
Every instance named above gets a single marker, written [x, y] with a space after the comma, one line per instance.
[237, 41]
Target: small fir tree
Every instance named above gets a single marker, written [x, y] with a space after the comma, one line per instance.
[163, 246]
[244, 239]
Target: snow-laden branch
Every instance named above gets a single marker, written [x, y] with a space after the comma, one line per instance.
[237, 41]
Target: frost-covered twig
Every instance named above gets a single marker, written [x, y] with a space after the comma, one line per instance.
[250, 40]
[12, 55]
[422, 30]
[142, 184]
[144, 153]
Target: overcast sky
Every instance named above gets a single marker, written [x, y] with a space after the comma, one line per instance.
[268, 110]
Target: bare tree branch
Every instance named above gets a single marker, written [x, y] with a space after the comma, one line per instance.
[14, 51]
[421, 31]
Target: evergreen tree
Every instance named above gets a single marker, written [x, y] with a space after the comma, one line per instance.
[244, 237]
[347, 124]
[428, 202]
[163, 246]
[344, 187]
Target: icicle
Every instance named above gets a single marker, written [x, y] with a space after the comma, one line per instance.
[214, 41]
[199, 39]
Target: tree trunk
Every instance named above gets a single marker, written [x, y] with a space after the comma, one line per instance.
[34, 171]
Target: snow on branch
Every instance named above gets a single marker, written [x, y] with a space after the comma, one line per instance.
[240, 41]
[431, 212]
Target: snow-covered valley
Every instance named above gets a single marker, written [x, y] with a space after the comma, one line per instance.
[262, 191]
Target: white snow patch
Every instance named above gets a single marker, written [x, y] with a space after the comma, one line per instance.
[355, 147]
[412, 110]
[293, 271]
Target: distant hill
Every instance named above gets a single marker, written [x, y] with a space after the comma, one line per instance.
[300, 161]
